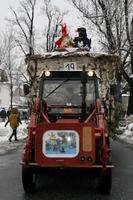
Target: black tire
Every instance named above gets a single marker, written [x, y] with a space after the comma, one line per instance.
[105, 181]
[29, 176]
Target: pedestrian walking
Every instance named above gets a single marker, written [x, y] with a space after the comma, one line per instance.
[3, 114]
[14, 120]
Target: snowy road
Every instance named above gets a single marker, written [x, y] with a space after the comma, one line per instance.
[70, 185]
[63, 186]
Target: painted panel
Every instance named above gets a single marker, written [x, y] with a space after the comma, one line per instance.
[60, 143]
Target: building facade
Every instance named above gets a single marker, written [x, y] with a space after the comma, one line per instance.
[4, 94]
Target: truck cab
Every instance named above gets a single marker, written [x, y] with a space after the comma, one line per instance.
[68, 94]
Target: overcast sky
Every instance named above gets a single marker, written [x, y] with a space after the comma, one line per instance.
[72, 19]
[5, 10]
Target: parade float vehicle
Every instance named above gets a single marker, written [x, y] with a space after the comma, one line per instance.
[67, 127]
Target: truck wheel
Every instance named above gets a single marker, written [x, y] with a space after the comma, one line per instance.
[29, 176]
[105, 181]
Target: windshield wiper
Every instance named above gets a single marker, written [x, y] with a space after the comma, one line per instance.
[57, 87]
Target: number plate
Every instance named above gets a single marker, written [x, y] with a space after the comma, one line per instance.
[70, 66]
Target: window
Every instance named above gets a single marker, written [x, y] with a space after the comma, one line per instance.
[58, 93]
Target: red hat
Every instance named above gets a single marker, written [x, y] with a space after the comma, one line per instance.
[63, 29]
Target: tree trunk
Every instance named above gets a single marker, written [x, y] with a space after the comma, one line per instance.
[130, 101]
[132, 45]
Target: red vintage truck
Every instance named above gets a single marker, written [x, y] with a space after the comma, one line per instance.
[68, 127]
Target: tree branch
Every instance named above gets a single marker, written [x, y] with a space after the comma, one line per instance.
[17, 20]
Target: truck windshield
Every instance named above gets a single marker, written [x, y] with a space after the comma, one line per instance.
[69, 93]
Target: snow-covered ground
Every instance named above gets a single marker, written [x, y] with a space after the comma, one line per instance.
[127, 135]
[5, 132]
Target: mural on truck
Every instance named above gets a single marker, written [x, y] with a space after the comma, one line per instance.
[60, 143]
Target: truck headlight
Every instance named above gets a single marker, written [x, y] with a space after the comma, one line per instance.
[90, 73]
[47, 73]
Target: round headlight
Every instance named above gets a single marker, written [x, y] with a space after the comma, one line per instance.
[47, 73]
[90, 73]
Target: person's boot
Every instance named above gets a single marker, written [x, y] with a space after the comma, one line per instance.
[16, 138]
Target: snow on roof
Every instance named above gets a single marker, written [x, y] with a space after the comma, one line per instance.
[74, 52]
[60, 53]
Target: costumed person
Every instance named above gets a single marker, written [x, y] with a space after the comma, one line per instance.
[63, 144]
[64, 41]
[82, 40]
[14, 120]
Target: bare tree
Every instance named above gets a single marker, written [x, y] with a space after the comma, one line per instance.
[111, 19]
[3, 50]
[129, 34]
[107, 18]
[8, 59]
[24, 22]
[9, 63]
[54, 18]
[131, 44]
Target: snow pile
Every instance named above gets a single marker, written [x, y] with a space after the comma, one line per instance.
[127, 135]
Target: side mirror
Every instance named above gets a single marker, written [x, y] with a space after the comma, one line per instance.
[26, 89]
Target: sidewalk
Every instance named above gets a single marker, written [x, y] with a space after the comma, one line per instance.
[5, 132]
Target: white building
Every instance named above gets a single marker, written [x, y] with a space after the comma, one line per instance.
[4, 94]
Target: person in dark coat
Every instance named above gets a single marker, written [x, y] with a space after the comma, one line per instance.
[82, 40]
[3, 114]
[14, 120]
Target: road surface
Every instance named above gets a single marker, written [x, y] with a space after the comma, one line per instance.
[61, 185]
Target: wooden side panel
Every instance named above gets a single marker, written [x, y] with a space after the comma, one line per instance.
[87, 139]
